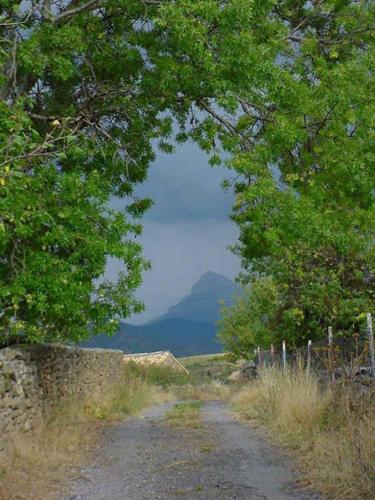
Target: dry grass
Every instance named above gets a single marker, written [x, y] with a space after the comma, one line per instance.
[129, 399]
[332, 432]
[35, 463]
[204, 392]
[202, 358]
[208, 378]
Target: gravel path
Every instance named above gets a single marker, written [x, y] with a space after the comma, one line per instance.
[147, 458]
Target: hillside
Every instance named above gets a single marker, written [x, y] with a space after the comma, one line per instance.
[180, 336]
[188, 328]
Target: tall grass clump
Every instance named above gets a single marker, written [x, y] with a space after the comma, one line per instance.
[137, 388]
[160, 376]
[330, 429]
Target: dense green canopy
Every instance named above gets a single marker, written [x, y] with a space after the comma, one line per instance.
[306, 165]
[285, 88]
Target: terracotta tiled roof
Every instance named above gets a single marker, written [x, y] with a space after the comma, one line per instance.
[160, 358]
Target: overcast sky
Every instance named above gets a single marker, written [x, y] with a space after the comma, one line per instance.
[187, 231]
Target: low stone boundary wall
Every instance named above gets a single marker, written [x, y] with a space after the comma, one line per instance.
[35, 377]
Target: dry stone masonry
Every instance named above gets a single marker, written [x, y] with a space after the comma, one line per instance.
[33, 378]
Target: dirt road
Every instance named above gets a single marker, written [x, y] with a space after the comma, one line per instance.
[147, 458]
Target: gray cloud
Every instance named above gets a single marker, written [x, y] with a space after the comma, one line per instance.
[185, 187]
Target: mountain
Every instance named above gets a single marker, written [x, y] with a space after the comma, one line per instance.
[203, 301]
[188, 328]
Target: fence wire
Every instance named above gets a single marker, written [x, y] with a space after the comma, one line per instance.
[338, 353]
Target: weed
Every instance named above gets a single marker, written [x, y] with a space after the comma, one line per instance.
[204, 392]
[207, 448]
[185, 415]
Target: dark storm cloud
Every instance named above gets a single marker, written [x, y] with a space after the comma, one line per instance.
[184, 187]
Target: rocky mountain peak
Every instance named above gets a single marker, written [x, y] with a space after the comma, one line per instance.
[211, 281]
[202, 303]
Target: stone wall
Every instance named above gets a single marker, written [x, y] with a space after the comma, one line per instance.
[34, 378]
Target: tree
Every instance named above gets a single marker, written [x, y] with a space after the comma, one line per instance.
[248, 323]
[67, 122]
[309, 223]
[299, 127]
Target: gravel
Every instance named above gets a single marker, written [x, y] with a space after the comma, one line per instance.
[147, 458]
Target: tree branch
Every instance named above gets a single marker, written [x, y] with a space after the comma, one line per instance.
[90, 5]
[229, 126]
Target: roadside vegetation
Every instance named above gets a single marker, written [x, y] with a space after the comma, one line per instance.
[209, 376]
[69, 433]
[331, 430]
[328, 429]
[208, 368]
[34, 464]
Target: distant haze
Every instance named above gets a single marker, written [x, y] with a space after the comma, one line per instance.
[187, 231]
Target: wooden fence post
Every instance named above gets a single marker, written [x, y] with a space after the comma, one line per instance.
[370, 334]
[331, 367]
[284, 355]
[309, 351]
[330, 336]
[272, 355]
[259, 356]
